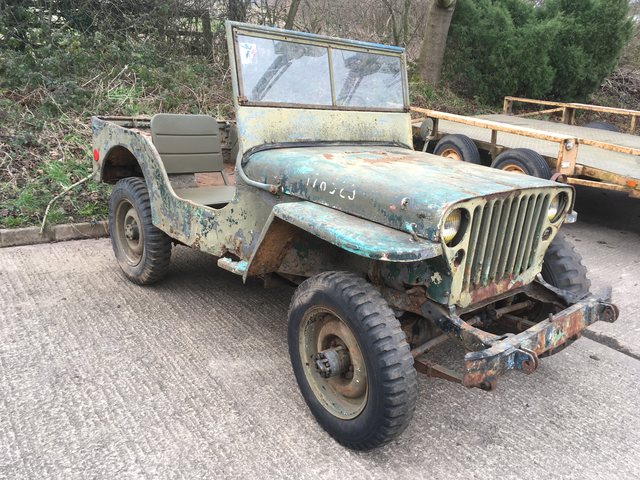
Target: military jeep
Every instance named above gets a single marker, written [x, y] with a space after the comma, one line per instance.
[393, 251]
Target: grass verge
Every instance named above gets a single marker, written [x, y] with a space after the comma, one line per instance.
[47, 97]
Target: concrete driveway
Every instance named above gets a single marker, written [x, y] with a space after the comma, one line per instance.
[191, 379]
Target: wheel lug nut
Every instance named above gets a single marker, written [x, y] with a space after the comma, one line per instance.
[332, 362]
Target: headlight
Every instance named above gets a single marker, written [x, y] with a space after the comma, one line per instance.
[556, 207]
[451, 225]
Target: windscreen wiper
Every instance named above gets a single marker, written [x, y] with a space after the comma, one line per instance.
[279, 65]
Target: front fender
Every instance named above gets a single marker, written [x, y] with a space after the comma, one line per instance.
[353, 234]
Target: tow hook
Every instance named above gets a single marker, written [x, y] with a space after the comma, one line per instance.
[610, 312]
[526, 360]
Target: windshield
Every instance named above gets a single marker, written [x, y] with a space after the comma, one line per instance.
[274, 71]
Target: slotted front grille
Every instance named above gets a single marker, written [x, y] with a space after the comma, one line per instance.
[504, 238]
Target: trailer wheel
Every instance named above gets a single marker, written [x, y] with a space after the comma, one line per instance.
[351, 360]
[458, 147]
[523, 160]
[602, 126]
[143, 251]
[563, 268]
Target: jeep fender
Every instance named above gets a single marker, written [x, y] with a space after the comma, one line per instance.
[353, 234]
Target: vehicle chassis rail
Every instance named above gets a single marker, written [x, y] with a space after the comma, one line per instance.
[519, 351]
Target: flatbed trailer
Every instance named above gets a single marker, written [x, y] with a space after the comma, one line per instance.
[584, 156]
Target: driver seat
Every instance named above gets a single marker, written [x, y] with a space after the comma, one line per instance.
[190, 144]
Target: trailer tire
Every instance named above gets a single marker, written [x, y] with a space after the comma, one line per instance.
[562, 267]
[458, 147]
[523, 160]
[369, 397]
[143, 251]
[602, 126]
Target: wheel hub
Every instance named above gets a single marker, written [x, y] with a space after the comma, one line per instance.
[129, 235]
[131, 231]
[514, 168]
[452, 154]
[332, 362]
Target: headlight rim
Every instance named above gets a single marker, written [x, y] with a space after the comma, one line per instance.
[563, 199]
[453, 240]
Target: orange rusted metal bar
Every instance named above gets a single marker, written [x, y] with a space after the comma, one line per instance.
[566, 159]
[603, 185]
[494, 144]
[498, 126]
[541, 112]
[567, 145]
[605, 176]
[633, 114]
[610, 146]
[534, 101]
[507, 106]
[603, 109]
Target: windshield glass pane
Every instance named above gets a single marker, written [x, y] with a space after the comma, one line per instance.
[367, 79]
[275, 71]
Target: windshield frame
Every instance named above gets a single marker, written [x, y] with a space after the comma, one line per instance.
[330, 44]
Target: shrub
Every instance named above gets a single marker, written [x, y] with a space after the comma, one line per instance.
[589, 41]
[561, 50]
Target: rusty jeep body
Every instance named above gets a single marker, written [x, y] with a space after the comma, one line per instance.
[393, 250]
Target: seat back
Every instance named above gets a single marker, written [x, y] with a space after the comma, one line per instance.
[187, 143]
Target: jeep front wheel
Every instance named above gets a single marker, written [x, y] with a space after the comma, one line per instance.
[563, 267]
[143, 251]
[351, 360]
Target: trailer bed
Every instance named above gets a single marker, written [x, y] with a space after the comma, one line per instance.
[621, 164]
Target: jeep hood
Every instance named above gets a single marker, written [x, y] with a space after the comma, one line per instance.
[392, 186]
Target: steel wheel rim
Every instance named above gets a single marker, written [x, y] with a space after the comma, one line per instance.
[451, 153]
[514, 169]
[129, 233]
[344, 396]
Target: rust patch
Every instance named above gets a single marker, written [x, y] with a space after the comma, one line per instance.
[196, 242]
[494, 289]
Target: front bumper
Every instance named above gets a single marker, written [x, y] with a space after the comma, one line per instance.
[522, 351]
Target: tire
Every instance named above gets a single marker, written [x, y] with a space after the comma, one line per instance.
[563, 268]
[144, 259]
[458, 147]
[602, 126]
[379, 358]
[523, 160]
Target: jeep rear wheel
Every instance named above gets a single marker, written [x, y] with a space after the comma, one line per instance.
[143, 251]
[351, 360]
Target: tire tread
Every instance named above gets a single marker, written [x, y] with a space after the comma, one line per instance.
[466, 147]
[563, 267]
[157, 255]
[390, 351]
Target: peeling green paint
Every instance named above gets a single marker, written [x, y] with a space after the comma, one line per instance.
[347, 177]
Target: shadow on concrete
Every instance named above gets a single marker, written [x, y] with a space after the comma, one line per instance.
[607, 208]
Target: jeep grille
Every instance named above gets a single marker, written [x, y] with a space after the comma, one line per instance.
[505, 233]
